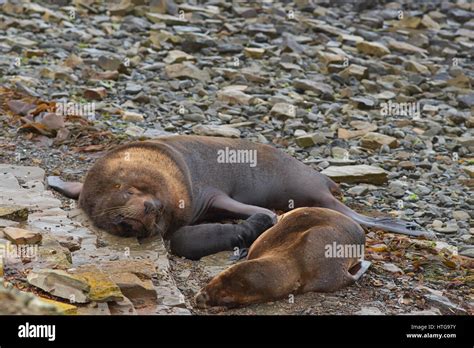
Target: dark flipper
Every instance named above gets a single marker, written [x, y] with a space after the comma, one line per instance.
[358, 270]
[386, 224]
[194, 242]
[239, 254]
[68, 189]
[230, 205]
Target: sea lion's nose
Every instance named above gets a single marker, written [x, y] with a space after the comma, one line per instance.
[152, 206]
[201, 299]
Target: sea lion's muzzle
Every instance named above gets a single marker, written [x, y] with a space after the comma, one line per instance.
[202, 299]
[153, 206]
[141, 216]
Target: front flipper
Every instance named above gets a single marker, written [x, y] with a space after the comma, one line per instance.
[68, 189]
[239, 254]
[230, 205]
[194, 242]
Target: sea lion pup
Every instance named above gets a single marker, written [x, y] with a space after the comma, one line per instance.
[173, 184]
[309, 249]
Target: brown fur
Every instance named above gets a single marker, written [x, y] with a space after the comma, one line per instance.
[133, 167]
[182, 175]
[289, 258]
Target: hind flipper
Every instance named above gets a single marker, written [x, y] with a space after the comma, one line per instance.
[400, 226]
[359, 269]
[387, 224]
[68, 189]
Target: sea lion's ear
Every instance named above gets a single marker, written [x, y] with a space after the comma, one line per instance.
[68, 189]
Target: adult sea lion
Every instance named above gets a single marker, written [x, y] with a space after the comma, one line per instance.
[173, 184]
[309, 249]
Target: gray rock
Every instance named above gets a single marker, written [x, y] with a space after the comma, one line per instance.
[234, 96]
[164, 18]
[109, 63]
[283, 110]
[187, 70]
[357, 191]
[220, 131]
[469, 170]
[449, 228]
[466, 100]
[392, 268]
[369, 311]
[397, 189]
[319, 88]
[431, 311]
[437, 298]
[131, 116]
[133, 88]
[469, 252]
[374, 141]
[357, 174]
[134, 131]
[309, 140]
[13, 212]
[13, 301]
[461, 215]
[23, 173]
[61, 284]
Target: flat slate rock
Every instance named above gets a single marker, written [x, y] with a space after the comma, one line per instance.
[357, 174]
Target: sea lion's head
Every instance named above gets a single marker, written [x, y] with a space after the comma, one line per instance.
[125, 202]
[128, 211]
[219, 292]
[239, 284]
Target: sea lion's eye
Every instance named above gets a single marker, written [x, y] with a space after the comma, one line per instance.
[117, 186]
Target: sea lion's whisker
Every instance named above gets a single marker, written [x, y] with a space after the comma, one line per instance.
[155, 225]
[112, 211]
[131, 212]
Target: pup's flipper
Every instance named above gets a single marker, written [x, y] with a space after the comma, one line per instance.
[359, 269]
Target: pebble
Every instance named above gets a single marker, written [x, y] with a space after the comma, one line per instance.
[132, 116]
[375, 141]
[358, 190]
[310, 140]
[369, 311]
